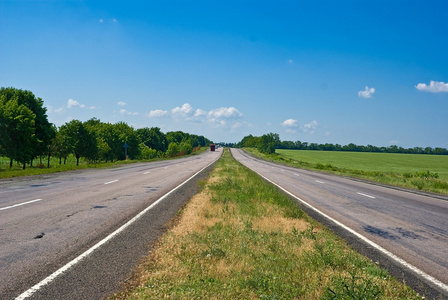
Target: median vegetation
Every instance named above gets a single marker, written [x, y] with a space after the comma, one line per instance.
[240, 238]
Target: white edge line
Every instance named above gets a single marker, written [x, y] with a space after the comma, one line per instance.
[428, 277]
[111, 181]
[23, 203]
[53, 276]
[366, 195]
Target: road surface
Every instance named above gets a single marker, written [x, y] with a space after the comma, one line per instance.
[48, 221]
[410, 225]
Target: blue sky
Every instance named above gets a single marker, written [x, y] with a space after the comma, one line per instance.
[363, 72]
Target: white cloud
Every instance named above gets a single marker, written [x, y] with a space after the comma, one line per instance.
[128, 113]
[121, 103]
[51, 110]
[290, 125]
[310, 127]
[200, 113]
[73, 103]
[219, 117]
[224, 117]
[433, 87]
[157, 113]
[185, 109]
[113, 20]
[290, 61]
[224, 112]
[367, 93]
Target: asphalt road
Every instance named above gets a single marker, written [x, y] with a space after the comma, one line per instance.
[48, 221]
[412, 226]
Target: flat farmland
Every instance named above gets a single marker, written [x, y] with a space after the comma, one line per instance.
[418, 171]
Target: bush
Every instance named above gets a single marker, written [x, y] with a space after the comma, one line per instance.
[173, 149]
[146, 152]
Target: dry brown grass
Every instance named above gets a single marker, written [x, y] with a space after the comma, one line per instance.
[217, 250]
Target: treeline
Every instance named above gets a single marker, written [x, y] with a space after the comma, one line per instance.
[26, 134]
[267, 143]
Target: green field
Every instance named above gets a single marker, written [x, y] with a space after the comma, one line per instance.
[378, 162]
[415, 171]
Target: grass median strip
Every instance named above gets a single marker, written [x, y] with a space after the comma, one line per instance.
[241, 238]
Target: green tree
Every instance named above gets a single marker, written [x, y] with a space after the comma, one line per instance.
[185, 147]
[110, 147]
[81, 141]
[111, 139]
[43, 129]
[127, 135]
[147, 153]
[17, 132]
[173, 149]
[153, 138]
[52, 146]
[249, 141]
[267, 143]
[176, 136]
[62, 148]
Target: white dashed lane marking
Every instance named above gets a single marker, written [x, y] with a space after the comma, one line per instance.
[111, 181]
[365, 195]
[19, 204]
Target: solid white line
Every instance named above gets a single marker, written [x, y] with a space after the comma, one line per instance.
[320, 181]
[399, 260]
[366, 195]
[23, 203]
[53, 276]
[146, 172]
[111, 181]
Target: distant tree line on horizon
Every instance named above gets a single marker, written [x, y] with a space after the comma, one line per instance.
[26, 134]
[267, 143]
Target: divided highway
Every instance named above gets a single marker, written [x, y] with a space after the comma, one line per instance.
[411, 227]
[49, 221]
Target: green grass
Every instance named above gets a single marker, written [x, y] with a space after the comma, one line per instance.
[414, 171]
[241, 238]
[376, 162]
